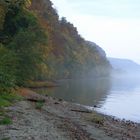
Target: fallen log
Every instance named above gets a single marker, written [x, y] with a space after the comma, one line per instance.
[36, 100]
[81, 111]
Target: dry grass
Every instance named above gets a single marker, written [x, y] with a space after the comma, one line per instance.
[41, 84]
[96, 118]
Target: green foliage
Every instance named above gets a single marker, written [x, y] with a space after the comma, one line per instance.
[6, 121]
[4, 103]
[7, 69]
[27, 54]
[2, 112]
[39, 105]
[5, 139]
[25, 45]
[96, 118]
[2, 16]
[69, 55]
[18, 20]
[9, 8]
[23, 36]
[7, 99]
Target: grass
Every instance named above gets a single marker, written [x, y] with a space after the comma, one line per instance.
[5, 139]
[6, 121]
[2, 112]
[40, 84]
[96, 118]
[39, 104]
[6, 99]
[4, 102]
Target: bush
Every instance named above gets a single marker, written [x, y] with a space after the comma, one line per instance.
[7, 69]
[6, 121]
[27, 42]
[96, 118]
[39, 105]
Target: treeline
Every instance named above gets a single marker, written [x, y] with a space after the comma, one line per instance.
[36, 45]
[68, 54]
[21, 38]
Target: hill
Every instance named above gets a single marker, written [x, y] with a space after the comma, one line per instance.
[35, 44]
[72, 54]
[125, 65]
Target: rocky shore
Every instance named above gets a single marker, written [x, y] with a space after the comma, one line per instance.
[39, 117]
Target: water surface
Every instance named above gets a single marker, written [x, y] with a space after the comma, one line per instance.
[119, 97]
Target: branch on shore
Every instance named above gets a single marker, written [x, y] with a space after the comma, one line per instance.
[36, 100]
[82, 111]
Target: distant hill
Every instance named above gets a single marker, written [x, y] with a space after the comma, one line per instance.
[124, 65]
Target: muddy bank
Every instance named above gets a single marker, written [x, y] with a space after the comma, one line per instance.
[55, 119]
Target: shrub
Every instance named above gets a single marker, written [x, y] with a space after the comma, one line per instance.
[96, 118]
[39, 104]
[6, 121]
[7, 69]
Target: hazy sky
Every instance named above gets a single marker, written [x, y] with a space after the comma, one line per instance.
[112, 24]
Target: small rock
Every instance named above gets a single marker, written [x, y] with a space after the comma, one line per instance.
[60, 100]
[56, 103]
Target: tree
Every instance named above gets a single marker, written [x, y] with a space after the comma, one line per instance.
[8, 63]
[2, 16]
[23, 35]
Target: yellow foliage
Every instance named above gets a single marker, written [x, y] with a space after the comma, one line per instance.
[28, 3]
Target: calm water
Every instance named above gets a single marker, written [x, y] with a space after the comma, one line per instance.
[119, 97]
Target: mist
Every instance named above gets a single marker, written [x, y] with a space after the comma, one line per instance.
[124, 68]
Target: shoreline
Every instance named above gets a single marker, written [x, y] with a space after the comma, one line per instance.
[111, 116]
[57, 119]
[56, 83]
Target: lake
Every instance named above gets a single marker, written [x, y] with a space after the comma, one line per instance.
[118, 97]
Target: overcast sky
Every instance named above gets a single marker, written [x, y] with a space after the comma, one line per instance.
[112, 24]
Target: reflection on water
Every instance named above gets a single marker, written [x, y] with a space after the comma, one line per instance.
[118, 97]
[87, 92]
[123, 100]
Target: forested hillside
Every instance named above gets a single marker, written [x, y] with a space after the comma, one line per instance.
[36, 45]
[68, 53]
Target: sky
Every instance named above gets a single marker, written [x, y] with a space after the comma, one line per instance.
[112, 24]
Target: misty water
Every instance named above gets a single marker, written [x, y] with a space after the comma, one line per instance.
[118, 97]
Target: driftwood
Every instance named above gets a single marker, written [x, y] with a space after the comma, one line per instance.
[82, 111]
[31, 95]
[36, 100]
